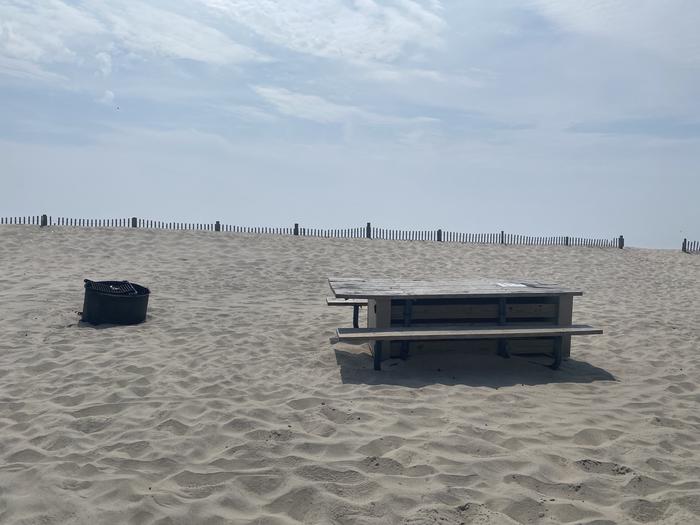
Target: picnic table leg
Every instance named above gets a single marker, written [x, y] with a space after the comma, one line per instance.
[377, 355]
[503, 348]
[557, 353]
[566, 308]
[502, 343]
[355, 316]
[407, 314]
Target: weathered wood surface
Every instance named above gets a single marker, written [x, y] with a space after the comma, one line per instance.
[343, 287]
[420, 334]
[475, 311]
[330, 301]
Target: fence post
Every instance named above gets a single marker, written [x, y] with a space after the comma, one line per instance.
[503, 237]
[566, 240]
[44, 220]
[369, 230]
[133, 222]
[621, 242]
[217, 226]
[439, 235]
[296, 228]
[685, 246]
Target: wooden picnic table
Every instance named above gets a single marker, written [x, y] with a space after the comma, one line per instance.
[459, 304]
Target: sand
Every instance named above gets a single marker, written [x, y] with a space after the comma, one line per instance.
[229, 405]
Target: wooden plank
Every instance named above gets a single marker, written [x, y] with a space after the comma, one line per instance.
[443, 333]
[368, 288]
[330, 301]
[531, 310]
[447, 311]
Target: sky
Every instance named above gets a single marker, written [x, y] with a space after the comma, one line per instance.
[537, 117]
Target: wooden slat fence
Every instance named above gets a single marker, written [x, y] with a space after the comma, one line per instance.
[404, 235]
[516, 239]
[349, 233]
[367, 231]
[690, 246]
[90, 223]
[32, 219]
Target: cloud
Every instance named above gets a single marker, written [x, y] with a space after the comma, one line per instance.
[52, 32]
[43, 31]
[27, 70]
[247, 113]
[322, 111]
[104, 61]
[34, 35]
[107, 97]
[308, 107]
[662, 127]
[363, 30]
[668, 28]
[149, 30]
[385, 73]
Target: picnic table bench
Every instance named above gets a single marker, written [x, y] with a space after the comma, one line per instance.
[355, 303]
[508, 311]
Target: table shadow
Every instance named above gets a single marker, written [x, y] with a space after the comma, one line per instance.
[473, 368]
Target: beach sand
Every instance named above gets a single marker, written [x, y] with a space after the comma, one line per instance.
[230, 405]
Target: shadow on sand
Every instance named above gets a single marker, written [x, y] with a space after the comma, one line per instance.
[475, 368]
[103, 326]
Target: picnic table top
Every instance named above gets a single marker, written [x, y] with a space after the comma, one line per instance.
[350, 287]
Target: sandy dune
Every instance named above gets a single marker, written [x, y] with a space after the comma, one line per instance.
[230, 406]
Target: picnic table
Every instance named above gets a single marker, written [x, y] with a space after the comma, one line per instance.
[509, 311]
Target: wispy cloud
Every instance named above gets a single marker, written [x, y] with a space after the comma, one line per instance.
[386, 73]
[662, 127]
[320, 110]
[149, 30]
[104, 61]
[363, 30]
[43, 31]
[27, 70]
[54, 32]
[247, 113]
[107, 97]
[34, 34]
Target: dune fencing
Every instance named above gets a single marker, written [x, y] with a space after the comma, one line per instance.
[690, 246]
[363, 232]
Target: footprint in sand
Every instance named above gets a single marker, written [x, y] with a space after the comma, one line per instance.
[188, 478]
[90, 425]
[305, 402]
[174, 426]
[318, 473]
[296, 503]
[26, 456]
[645, 511]
[283, 434]
[594, 437]
[466, 513]
[69, 401]
[602, 467]
[260, 483]
[382, 445]
[99, 410]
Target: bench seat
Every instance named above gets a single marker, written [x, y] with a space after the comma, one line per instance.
[503, 333]
[332, 301]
